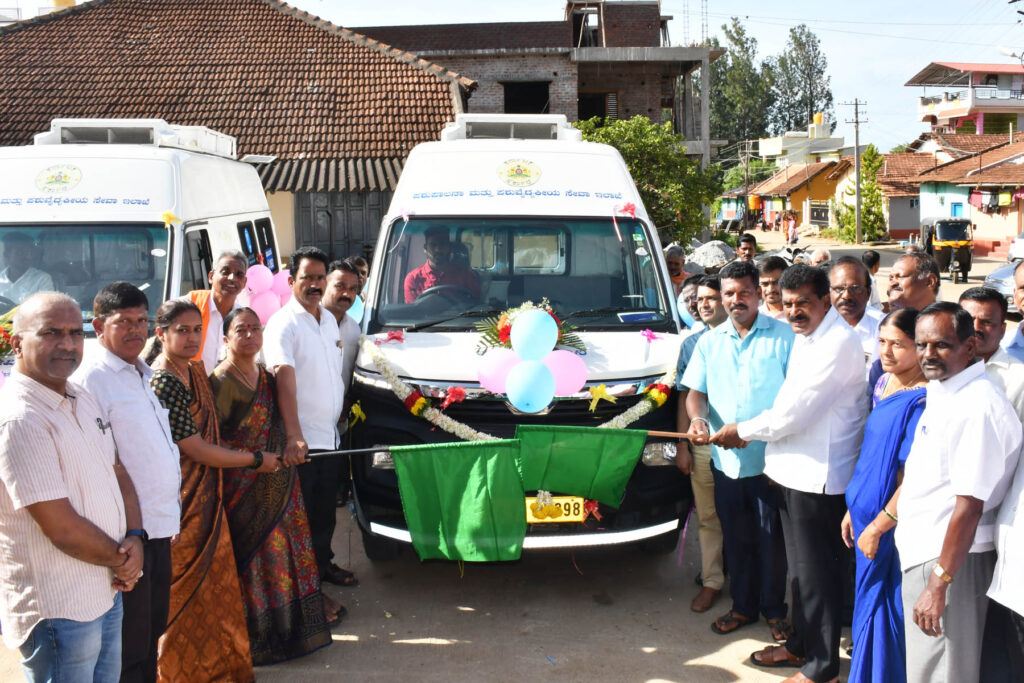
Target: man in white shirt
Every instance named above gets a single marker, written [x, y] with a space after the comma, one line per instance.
[1015, 344]
[988, 309]
[301, 343]
[114, 374]
[813, 432]
[227, 280]
[1002, 657]
[872, 260]
[850, 285]
[20, 279]
[965, 450]
[66, 505]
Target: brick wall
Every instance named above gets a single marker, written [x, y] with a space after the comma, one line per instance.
[490, 72]
[641, 86]
[632, 24]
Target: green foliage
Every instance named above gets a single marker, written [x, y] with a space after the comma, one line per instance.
[872, 218]
[740, 87]
[759, 170]
[801, 86]
[900, 148]
[730, 238]
[672, 186]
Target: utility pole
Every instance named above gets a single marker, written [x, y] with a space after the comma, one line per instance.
[856, 155]
[746, 185]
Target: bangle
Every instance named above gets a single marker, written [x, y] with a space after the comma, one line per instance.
[942, 573]
[890, 515]
[700, 419]
[257, 460]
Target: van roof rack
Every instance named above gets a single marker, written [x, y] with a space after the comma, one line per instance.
[510, 127]
[156, 132]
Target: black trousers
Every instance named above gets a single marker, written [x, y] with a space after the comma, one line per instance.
[1002, 649]
[817, 560]
[145, 614]
[319, 480]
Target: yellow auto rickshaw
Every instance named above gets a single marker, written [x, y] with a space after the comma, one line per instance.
[950, 241]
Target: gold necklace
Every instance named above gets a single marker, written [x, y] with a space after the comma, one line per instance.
[176, 369]
[242, 376]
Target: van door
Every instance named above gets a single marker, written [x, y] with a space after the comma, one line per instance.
[196, 260]
[247, 239]
[267, 244]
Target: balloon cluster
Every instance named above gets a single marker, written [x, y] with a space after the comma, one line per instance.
[265, 291]
[531, 374]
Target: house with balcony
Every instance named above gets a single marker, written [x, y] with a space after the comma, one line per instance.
[962, 97]
[608, 58]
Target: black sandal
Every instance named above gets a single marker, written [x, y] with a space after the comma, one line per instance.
[729, 622]
[781, 629]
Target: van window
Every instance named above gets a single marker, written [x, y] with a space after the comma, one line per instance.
[79, 260]
[265, 239]
[247, 238]
[196, 262]
[461, 270]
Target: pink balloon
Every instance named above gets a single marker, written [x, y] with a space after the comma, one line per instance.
[258, 278]
[244, 298]
[280, 285]
[285, 298]
[569, 370]
[265, 305]
[493, 369]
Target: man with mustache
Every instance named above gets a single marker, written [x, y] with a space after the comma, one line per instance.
[988, 309]
[227, 280]
[119, 380]
[65, 505]
[850, 286]
[439, 268]
[913, 281]
[964, 453]
[734, 373]
[302, 344]
[813, 432]
[769, 270]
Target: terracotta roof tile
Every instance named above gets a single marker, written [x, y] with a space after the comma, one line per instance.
[283, 82]
[471, 37]
[790, 178]
[897, 176]
[1001, 162]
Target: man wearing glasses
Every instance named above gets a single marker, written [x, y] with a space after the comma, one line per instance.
[850, 289]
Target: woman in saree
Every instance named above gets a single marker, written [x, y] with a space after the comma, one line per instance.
[286, 613]
[206, 638]
[879, 652]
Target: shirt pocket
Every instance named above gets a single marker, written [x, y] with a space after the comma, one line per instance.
[763, 382]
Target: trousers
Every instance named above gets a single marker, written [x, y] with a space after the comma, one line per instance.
[319, 480]
[145, 614]
[709, 527]
[67, 650]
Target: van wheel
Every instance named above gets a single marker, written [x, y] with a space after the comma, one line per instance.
[661, 545]
[379, 548]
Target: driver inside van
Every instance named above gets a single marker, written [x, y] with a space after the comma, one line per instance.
[440, 270]
[20, 279]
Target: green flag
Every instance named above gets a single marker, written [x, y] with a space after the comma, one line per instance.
[579, 461]
[463, 501]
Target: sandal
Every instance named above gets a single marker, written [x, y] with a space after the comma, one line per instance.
[781, 629]
[767, 658]
[339, 577]
[336, 618]
[729, 622]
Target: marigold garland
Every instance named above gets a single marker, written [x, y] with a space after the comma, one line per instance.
[654, 396]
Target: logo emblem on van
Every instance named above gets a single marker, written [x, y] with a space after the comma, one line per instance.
[519, 172]
[59, 178]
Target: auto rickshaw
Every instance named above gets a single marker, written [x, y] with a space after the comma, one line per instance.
[950, 241]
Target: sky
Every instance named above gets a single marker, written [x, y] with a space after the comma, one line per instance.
[873, 47]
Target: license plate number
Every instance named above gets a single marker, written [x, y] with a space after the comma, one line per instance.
[562, 509]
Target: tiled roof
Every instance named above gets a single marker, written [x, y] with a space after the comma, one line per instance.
[339, 110]
[897, 176]
[790, 179]
[984, 165]
[960, 145]
[471, 37]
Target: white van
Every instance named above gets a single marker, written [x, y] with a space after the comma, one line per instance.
[94, 201]
[533, 213]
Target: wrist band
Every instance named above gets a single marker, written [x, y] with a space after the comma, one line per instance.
[257, 460]
[890, 515]
[942, 574]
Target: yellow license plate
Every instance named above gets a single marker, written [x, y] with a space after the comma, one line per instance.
[562, 509]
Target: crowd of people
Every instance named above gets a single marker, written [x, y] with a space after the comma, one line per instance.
[860, 457]
[164, 514]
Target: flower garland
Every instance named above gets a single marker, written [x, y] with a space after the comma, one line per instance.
[654, 396]
[497, 332]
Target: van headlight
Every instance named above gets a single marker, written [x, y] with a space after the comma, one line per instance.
[659, 454]
[382, 459]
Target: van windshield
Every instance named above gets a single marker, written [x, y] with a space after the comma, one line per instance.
[79, 260]
[449, 273]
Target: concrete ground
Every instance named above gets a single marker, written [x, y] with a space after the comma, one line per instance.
[592, 615]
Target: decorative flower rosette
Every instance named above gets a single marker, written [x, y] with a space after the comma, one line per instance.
[497, 332]
[6, 328]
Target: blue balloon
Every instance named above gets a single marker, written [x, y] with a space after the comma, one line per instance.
[356, 309]
[530, 386]
[534, 334]
[687, 319]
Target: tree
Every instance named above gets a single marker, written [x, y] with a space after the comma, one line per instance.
[801, 86]
[740, 87]
[872, 216]
[737, 175]
[672, 186]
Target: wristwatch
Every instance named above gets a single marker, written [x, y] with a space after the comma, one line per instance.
[141, 533]
[942, 573]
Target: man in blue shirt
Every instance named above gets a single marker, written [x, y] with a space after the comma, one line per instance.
[734, 374]
[695, 460]
[1015, 346]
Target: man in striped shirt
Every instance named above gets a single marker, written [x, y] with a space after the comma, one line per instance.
[67, 507]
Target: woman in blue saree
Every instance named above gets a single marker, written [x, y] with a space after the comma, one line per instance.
[879, 652]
